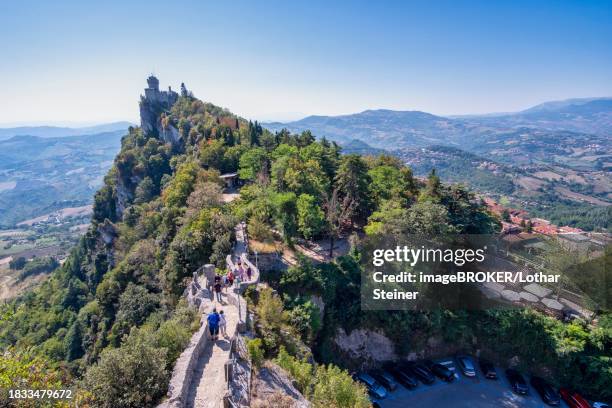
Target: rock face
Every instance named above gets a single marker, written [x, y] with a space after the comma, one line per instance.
[272, 386]
[152, 104]
[366, 345]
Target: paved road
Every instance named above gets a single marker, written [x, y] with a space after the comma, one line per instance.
[464, 393]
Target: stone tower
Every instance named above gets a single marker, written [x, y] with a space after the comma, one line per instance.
[153, 82]
[152, 104]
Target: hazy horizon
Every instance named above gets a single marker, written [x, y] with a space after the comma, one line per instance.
[266, 119]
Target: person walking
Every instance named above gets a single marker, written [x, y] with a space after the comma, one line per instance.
[213, 324]
[222, 324]
[249, 272]
[230, 278]
[218, 288]
[209, 273]
[240, 271]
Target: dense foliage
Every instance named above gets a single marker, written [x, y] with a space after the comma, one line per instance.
[112, 315]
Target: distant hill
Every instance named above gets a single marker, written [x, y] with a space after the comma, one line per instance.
[57, 131]
[588, 115]
[382, 128]
[43, 174]
[389, 129]
[362, 148]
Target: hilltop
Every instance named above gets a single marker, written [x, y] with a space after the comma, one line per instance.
[114, 318]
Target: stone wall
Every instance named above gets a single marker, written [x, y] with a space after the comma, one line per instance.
[239, 375]
[183, 371]
[199, 296]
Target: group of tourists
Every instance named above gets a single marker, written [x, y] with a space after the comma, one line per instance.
[216, 320]
[237, 275]
[216, 324]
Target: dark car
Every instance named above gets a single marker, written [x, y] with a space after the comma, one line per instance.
[440, 371]
[517, 381]
[404, 377]
[573, 399]
[488, 370]
[385, 379]
[467, 366]
[421, 372]
[374, 388]
[547, 392]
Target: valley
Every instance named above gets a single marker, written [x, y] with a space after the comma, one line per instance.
[39, 175]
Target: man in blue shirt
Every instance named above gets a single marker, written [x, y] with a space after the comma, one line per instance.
[213, 324]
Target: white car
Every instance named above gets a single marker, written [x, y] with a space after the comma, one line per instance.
[467, 366]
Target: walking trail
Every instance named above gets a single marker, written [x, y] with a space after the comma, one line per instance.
[209, 385]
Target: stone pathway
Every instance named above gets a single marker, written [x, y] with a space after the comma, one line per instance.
[208, 385]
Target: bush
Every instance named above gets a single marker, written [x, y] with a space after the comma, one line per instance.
[18, 263]
[256, 352]
[324, 386]
[334, 387]
[22, 370]
[300, 370]
[37, 266]
[133, 375]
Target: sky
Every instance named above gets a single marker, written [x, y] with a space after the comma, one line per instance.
[85, 62]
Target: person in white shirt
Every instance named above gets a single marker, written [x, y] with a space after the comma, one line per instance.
[222, 324]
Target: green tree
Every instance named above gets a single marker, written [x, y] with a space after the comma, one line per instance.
[145, 191]
[352, 182]
[311, 218]
[133, 375]
[253, 164]
[285, 214]
[73, 342]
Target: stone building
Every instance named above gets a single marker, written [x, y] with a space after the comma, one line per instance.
[152, 104]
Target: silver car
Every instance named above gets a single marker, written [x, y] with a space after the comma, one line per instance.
[467, 366]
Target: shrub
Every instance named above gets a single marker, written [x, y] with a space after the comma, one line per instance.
[133, 375]
[256, 352]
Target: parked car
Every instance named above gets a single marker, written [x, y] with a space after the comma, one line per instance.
[421, 372]
[441, 371]
[517, 381]
[385, 379]
[573, 399]
[547, 392]
[466, 366]
[374, 388]
[488, 370]
[404, 377]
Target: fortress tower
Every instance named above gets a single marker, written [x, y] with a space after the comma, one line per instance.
[152, 104]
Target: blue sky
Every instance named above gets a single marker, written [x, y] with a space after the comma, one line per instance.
[65, 61]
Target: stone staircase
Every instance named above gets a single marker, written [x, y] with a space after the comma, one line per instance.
[199, 378]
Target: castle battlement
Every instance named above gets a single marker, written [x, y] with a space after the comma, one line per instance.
[153, 95]
[152, 104]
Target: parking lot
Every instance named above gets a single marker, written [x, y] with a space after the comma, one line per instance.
[464, 393]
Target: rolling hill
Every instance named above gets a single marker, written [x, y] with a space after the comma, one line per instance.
[57, 131]
[39, 175]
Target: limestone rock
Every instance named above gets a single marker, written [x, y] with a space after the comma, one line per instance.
[272, 386]
[366, 345]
